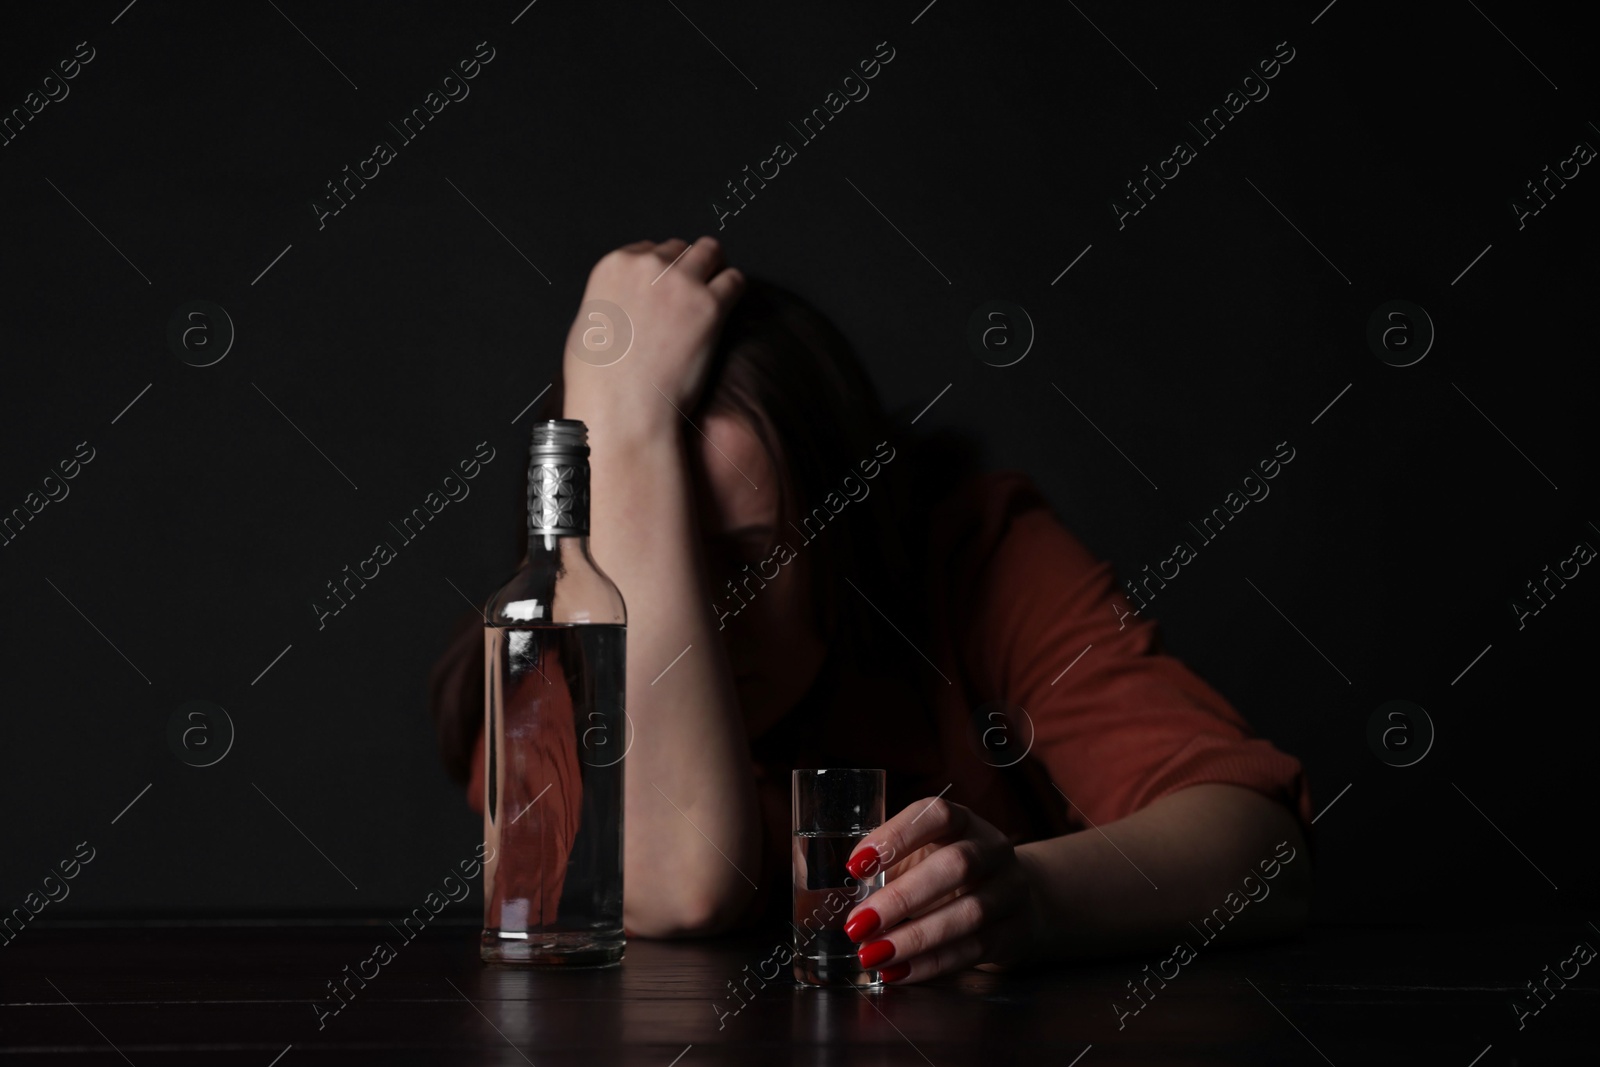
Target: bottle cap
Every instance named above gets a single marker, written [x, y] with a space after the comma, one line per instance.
[561, 437]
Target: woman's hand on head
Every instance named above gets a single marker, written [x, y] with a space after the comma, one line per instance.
[675, 297]
[956, 895]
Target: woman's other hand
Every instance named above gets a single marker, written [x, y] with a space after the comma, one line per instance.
[957, 894]
[674, 297]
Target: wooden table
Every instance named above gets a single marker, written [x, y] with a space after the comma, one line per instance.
[246, 995]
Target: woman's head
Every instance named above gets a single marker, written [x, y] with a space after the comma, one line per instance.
[806, 487]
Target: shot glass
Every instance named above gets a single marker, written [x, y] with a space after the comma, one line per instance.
[833, 810]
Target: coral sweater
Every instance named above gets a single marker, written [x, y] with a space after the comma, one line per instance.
[1045, 708]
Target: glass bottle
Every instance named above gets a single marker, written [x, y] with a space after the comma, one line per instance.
[555, 731]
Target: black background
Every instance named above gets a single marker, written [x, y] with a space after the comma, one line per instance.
[408, 330]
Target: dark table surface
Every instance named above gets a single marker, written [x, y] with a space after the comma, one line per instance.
[236, 995]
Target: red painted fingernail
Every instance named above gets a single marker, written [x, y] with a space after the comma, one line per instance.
[861, 924]
[864, 861]
[895, 973]
[875, 952]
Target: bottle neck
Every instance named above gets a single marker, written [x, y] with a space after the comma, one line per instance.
[564, 546]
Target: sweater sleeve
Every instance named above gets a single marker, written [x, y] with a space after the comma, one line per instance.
[1117, 722]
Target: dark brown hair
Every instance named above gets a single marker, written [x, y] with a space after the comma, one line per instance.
[794, 378]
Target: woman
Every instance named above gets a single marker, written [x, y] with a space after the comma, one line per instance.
[810, 586]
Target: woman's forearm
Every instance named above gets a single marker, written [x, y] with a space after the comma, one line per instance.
[688, 775]
[1140, 882]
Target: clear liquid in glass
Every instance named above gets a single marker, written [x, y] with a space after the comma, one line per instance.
[824, 895]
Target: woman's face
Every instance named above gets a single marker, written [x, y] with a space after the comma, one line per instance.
[766, 619]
